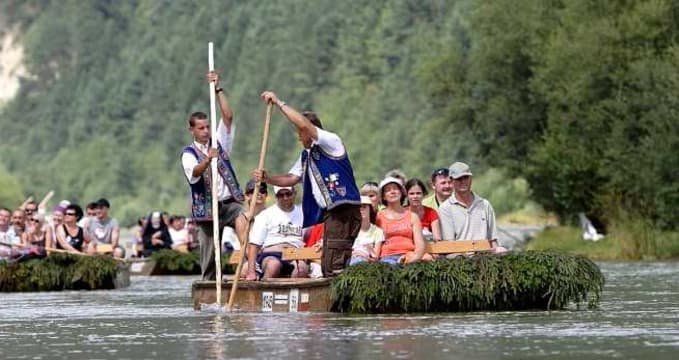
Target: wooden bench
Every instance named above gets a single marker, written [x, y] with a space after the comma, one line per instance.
[457, 246]
[305, 253]
[103, 248]
[438, 247]
[234, 259]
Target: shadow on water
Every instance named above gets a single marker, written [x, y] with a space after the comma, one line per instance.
[638, 318]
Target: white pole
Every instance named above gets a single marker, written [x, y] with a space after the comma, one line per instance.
[215, 174]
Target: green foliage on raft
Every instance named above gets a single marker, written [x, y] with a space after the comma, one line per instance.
[171, 262]
[59, 272]
[516, 281]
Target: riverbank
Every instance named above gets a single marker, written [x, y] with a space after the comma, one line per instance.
[619, 244]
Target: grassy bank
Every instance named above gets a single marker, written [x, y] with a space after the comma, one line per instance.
[631, 241]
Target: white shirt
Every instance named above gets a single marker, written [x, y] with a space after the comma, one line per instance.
[178, 236]
[476, 222]
[224, 138]
[332, 145]
[274, 226]
[365, 241]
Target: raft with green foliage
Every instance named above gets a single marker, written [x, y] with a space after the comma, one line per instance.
[171, 262]
[515, 281]
[64, 272]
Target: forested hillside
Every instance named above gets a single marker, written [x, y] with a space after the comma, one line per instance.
[578, 97]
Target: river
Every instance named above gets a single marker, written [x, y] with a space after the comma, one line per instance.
[153, 318]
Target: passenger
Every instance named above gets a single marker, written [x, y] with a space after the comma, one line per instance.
[277, 227]
[5, 234]
[369, 238]
[440, 183]
[429, 219]
[403, 241]
[104, 229]
[230, 241]
[369, 189]
[196, 158]
[36, 230]
[18, 226]
[5, 215]
[397, 173]
[155, 235]
[30, 208]
[90, 213]
[260, 202]
[55, 219]
[69, 235]
[330, 194]
[178, 233]
[466, 215]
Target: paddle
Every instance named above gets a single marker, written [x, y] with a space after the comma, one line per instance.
[253, 201]
[213, 170]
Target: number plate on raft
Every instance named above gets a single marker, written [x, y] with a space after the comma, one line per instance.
[295, 300]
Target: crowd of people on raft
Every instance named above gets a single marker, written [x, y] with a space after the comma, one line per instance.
[30, 229]
[398, 216]
[388, 221]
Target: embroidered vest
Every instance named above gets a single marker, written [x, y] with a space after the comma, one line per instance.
[201, 194]
[334, 177]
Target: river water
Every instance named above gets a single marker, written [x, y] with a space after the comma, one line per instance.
[153, 318]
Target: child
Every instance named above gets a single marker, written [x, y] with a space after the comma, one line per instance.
[369, 237]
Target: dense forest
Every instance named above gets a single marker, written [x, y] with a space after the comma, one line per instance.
[577, 97]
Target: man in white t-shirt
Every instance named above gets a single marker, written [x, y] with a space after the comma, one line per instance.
[277, 227]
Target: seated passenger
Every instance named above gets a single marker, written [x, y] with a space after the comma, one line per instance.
[370, 236]
[70, 236]
[155, 236]
[442, 186]
[277, 227]
[370, 190]
[465, 215]
[36, 230]
[403, 241]
[429, 218]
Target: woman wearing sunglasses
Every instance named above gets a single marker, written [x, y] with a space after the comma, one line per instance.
[36, 231]
[70, 236]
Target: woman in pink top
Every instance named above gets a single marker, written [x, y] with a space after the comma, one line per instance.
[403, 241]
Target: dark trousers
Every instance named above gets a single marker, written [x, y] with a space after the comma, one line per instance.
[228, 212]
[342, 225]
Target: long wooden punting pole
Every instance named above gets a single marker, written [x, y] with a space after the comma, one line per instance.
[253, 201]
[213, 170]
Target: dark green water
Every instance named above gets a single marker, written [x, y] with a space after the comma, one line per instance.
[638, 319]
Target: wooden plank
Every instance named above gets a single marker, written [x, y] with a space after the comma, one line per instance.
[104, 248]
[457, 246]
[235, 257]
[305, 253]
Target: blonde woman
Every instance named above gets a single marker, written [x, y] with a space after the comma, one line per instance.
[37, 232]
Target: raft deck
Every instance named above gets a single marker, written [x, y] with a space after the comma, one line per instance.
[275, 295]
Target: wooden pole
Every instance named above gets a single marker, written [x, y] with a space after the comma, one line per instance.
[253, 201]
[213, 170]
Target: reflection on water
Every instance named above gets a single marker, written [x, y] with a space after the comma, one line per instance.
[639, 318]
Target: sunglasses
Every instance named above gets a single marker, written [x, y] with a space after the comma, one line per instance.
[69, 213]
[30, 210]
[34, 220]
